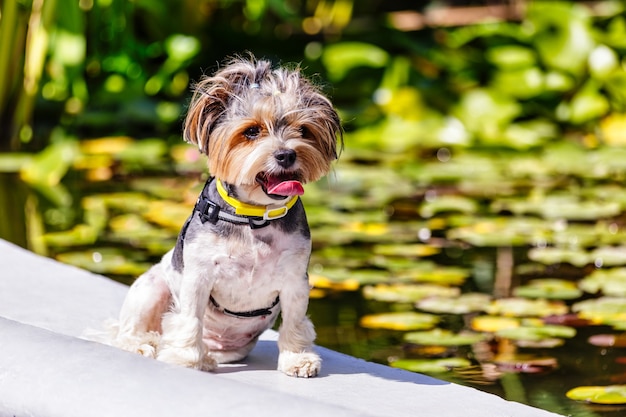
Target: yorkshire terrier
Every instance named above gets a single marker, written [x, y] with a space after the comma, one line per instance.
[242, 256]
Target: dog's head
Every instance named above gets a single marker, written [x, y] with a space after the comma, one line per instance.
[266, 129]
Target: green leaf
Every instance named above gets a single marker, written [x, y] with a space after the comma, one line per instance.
[557, 289]
[50, 165]
[441, 337]
[609, 394]
[407, 293]
[399, 321]
[340, 58]
[537, 333]
[511, 56]
[611, 282]
[433, 366]
[462, 304]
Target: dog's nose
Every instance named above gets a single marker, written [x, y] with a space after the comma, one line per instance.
[285, 157]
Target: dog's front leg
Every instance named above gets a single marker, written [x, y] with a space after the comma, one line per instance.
[296, 333]
[181, 341]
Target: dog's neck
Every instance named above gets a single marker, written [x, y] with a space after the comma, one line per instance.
[249, 198]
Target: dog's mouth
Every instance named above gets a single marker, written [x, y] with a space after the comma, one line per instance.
[282, 185]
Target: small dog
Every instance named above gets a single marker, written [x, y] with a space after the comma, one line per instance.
[242, 256]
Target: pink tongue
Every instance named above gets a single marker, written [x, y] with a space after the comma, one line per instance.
[286, 188]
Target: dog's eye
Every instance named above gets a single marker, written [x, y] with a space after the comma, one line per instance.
[252, 132]
[304, 132]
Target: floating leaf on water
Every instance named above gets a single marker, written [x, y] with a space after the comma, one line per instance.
[433, 273]
[433, 366]
[578, 235]
[176, 189]
[168, 213]
[523, 307]
[550, 288]
[322, 282]
[125, 201]
[611, 282]
[609, 394]
[441, 337]
[604, 310]
[79, 235]
[492, 324]
[448, 203]
[405, 250]
[13, 161]
[105, 261]
[502, 231]
[407, 293]
[402, 321]
[95, 212]
[463, 304]
[145, 151]
[110, 145]
[550, 256]
[609, 255]
[536, 333]
[49, 166]
[132, 227]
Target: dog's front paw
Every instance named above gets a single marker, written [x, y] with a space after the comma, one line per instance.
[303, 364]
[145, 344]
[188, 357]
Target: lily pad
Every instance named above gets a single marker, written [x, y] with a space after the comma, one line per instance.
[549, 288]
[604, 310]
[441, 337]
[502, 231]
[81, 234]
[609, 394]
[553, 255]
[407, 293]
[448, 203]
[463, 304]
[431, 365]
[405, 250]
[609, 255]
[522, 307]
[168, 213]
[105, 261]
[611, 282]
[492, 324]
[399, 321]
[433, 273]
[322, 282]
[536, 333]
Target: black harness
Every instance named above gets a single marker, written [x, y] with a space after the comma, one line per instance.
[212, 213]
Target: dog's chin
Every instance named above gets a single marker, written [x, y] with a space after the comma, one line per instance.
[280, 186]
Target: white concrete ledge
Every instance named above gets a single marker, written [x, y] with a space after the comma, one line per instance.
[46, 370]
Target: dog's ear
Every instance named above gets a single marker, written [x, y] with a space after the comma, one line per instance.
[212, 95]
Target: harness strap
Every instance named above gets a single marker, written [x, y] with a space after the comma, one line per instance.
[246, 314]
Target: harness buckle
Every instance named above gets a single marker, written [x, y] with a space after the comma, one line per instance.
[275, 213]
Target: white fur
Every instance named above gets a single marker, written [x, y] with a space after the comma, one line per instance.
[168, 315]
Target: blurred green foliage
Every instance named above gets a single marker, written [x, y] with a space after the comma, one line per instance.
[111, 67]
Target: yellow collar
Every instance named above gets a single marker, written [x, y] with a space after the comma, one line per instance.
[269, 212]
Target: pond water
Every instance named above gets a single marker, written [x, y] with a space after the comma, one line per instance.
[500, 270]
